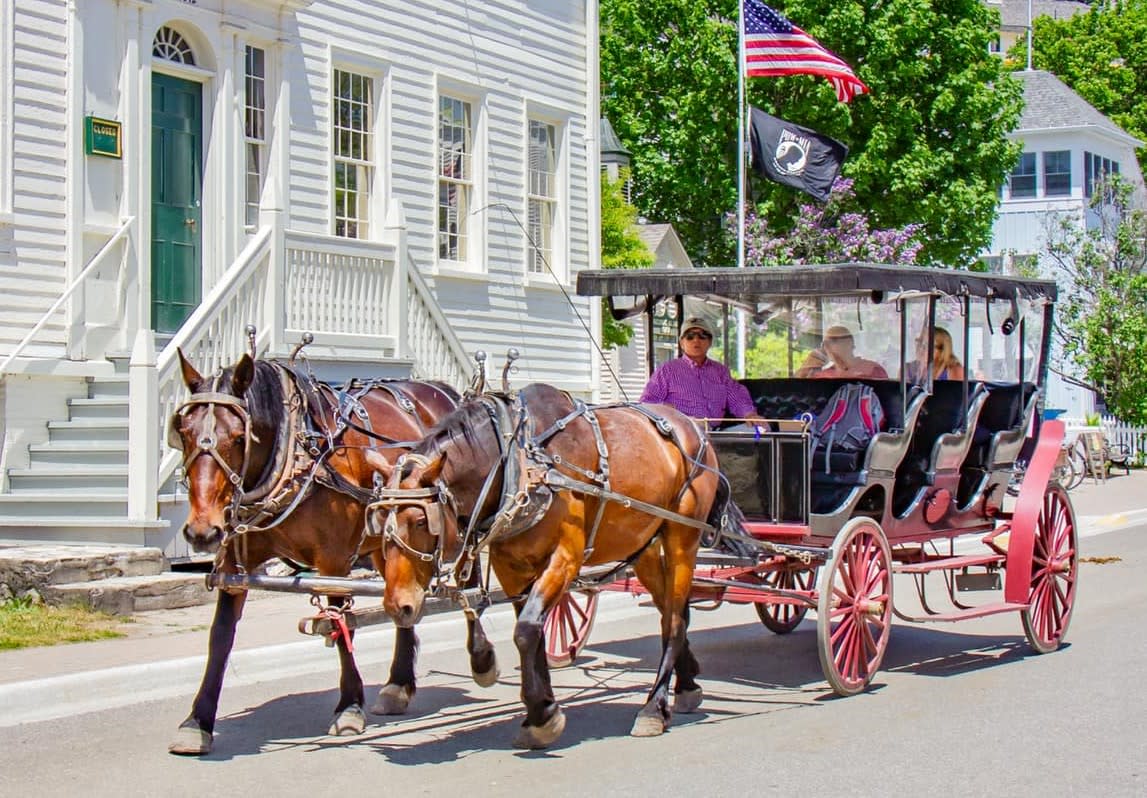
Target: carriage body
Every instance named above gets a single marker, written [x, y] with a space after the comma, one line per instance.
[926, 495]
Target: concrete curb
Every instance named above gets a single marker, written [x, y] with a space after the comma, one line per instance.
[55, 697]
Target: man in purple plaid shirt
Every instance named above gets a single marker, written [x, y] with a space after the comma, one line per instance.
[697, 386]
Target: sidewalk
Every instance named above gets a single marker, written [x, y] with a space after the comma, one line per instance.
[268, 639]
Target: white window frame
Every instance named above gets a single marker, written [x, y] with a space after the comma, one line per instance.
[368, 215]
[1047, 192]
[255, 140]
[471, 225]
[558, 200]
[541, 197]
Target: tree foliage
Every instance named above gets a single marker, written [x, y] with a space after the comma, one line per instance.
[1102, 327]
[1101, 55]
[928, 146]
[621, 248]
[829, 234]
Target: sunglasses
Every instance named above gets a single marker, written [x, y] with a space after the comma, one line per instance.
[693, 336]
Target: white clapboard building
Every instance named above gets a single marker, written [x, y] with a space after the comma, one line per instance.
[406, 180]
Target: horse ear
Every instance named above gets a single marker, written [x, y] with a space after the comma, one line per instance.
[191, 377]
[377, 462]
[243, 375]
[432, 470]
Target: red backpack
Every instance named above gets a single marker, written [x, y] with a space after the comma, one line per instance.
[852, 416]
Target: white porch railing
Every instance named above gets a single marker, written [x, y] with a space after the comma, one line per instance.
[344, 292]
[348, 294]
[87, 271]
[214, 336]
[436, 350]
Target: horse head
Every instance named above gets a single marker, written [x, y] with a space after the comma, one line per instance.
[418, 521]
[219, 433]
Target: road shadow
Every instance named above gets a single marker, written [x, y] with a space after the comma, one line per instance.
[746, 670]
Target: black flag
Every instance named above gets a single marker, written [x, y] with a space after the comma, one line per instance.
[793, 155]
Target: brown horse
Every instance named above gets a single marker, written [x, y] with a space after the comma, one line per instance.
[275, 464]
[550, 485]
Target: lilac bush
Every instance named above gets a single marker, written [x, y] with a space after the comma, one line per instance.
[828, 234]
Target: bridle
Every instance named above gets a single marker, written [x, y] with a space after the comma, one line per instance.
[434, 501]
[205, 439]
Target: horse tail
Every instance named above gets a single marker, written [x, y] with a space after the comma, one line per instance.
[728, 523]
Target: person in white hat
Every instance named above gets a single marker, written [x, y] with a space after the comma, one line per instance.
[838, 358]
[697, 386]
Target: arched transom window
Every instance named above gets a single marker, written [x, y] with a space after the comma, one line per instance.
[170, 45]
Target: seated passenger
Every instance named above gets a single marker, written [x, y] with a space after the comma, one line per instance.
[945, 365]
[837, 358]
[697, 386]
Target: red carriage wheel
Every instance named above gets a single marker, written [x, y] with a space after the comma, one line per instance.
[783, 618]
[854, 608]
[1055, 567]
[568, 626]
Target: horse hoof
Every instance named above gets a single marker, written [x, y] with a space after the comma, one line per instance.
[393, 699]
[348, 722]
[487, 679]
[647, 726]
[688, 700]
[190, 741]
[535, 737]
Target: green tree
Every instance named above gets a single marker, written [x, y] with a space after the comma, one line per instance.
[928, 146]
[621, 248]
[1102, 326]
[1101, 55]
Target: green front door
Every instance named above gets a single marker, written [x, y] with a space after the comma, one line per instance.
[176, 189]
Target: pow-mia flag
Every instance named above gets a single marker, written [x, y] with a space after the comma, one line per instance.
[793, 155]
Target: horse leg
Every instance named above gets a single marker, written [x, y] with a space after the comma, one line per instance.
[395, 696]
[687, 694]
[666, 572]
[545, 720]
[483, 660]
[349, 717]
[196, 733]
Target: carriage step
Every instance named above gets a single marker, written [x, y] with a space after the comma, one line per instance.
[947, 563]
[963, 615]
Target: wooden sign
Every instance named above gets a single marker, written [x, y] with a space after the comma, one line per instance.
[103, 137]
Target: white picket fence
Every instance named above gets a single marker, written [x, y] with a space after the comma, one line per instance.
[1116, 432]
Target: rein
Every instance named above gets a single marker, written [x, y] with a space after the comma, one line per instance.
[540, 471]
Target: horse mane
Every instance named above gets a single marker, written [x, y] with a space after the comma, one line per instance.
[264, 397]
[462, 427]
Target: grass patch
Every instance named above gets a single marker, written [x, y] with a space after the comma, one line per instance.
[24, 624]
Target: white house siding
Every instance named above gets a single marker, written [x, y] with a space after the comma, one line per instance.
[510, 58]
[33, 248]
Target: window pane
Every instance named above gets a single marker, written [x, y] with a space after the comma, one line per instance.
[455, 157]
[1023, 177]
[1057, 173]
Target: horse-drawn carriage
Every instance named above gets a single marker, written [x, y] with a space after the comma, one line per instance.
[829, 528]
[565, 499]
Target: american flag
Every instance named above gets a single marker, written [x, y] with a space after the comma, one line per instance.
[775, 47]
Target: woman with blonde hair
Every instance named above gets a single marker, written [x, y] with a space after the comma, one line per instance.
[945, 364]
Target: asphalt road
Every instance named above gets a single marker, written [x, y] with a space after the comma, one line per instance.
[960, 710]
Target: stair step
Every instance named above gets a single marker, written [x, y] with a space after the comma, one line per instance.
[78, 453]
[40, 566]
[109, 408]
[95, 507]
[131, 594]
[88, 430]
[59, 478]
[110, 387]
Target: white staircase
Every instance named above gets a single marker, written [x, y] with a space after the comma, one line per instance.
[74, 488]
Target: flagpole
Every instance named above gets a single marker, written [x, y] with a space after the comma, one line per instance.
[741, 135]
[741, 175]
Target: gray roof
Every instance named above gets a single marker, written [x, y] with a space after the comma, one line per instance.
[1050, 103]
[1014, 13]
[652, 234]
[610, 143]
